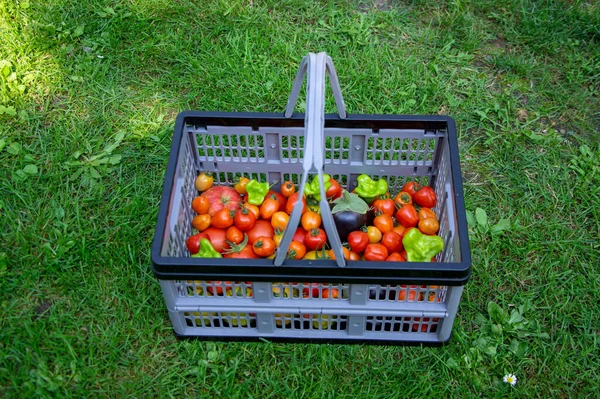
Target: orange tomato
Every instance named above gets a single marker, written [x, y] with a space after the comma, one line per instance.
[201, 205]
[269, 206]
[310, 220]
[345, 250]
[384, 223]
[253, 208]
[264, 246]
[288, 188]
[297, 250]
[280, 220]
[201, 222]
[426, 213]
[429, 226]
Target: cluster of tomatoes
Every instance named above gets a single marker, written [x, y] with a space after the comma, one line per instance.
[238, 229]
[394, 217]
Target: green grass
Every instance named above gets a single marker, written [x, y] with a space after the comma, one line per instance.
[88, 96]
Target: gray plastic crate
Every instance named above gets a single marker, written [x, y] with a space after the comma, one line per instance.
[260, 298]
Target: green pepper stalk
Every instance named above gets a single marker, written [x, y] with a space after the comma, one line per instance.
[313, 188]
[420, 247]
[257, 191]
[368, 189]
[206, 250]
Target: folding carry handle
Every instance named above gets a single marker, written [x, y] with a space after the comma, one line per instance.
[314, 66]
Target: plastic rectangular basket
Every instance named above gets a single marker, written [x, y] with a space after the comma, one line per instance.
[301, 299]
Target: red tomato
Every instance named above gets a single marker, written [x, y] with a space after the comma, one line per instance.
[297, 250]
[193, 243]
[376, 252]
[358, 241]
[334, 191]
[288, 188]
[222, 219]
[392, 241]
[246, 253]
[386, 206]
[291, 201]
[411, 187]
[403, 198]
[299, 235]
[218, 238]
[264, 246]
[407, 216]
[262, 228]
[395, 257]
[244, 219]
[425, 196]
[315, 239]
[279, 197]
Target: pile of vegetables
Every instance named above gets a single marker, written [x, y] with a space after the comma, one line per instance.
[248, 220]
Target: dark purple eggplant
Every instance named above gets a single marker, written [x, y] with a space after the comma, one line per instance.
[350, 213]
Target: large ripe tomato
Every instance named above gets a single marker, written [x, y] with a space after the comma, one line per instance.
[358, 241]
[279, 197]
[223, 219]
[218, 238]
[222, 197]
[407, 216]
[411, 187]
[392, 241]
[310, 220]
[376, 252]
[291, 202]
[315, 239]
[244, 219]
[288, 188]
[386, 206]
[262, 228]
[425, 196]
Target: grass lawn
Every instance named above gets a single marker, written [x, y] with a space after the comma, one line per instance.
[89, 91]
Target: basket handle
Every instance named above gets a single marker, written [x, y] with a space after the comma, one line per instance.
[315, 67]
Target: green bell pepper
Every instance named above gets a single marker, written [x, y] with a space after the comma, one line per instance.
[313, 188]
[420, 247]
[206, 250]
[369, 189]
[257, 191]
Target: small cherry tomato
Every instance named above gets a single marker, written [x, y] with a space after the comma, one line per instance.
[263, 246]
[201, 222]
[297, 250]
[425, 196]
[204, 181]
[376, 252]
[240, 185]
[201, 205]
[353, 256]
[280, 199]
[310, 220]
[278, 236]
[253, 208]
[288, 188]
[244, 219]
[234, 235]
[429, 226]
[374, 234]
